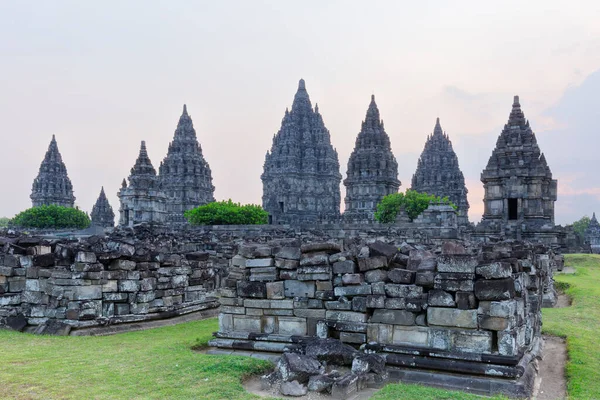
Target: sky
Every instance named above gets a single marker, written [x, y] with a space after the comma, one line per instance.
[102, 76]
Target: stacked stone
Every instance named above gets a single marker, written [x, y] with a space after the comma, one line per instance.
[519, 189]
[59, 286]
[438, 172]
[185, 175]
[479, 308]
[372, 169]
[52, 184]
[592, 235]
[143, 200]
[301, 178]
[102, 213]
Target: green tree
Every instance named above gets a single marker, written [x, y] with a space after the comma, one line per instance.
[4, 222]
[227, 213]
[413, 202]
[51, 217]
[581, 225]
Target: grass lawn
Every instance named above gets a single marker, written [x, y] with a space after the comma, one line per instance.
[580, 324]
[159, 363]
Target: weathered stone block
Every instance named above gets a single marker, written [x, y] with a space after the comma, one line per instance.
[314, 259]
[259, 262]
[375, 301]
[454, 282]
[496, 270]
[367, 264]
[286, 264]
[348, 291]
[452, 317]
[495, 323]
[344, 267]
[410, 336]
[238, 261]
[398, 303]
[393, 317]
[309, 313]
[225, 322]
[91, 292]
[359, 304]
[292, 326]
[346, 316]
[295, 288]
[498, 289]
[246, 323]
[466, 300]
[329, 247]
[343, 304]
[379, 248]
[287, 252]
[275, 290]
[353, 337]
[425, 278]
[129, 286]
[123, 265]
[503, 309]
[398, 275]
[457, 263]
[376, 275]
[407, 291]
[85, 257]
[352, 279]
[252, 289]
[439, 298]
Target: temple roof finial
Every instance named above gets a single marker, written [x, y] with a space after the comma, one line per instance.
[185, 110]
[301, 85]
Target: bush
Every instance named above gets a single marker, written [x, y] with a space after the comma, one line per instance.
[581, 226]
[4, 222]
[51, 217]
[227, 213]
[412, 201]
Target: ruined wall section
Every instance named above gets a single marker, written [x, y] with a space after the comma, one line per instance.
[422, 306]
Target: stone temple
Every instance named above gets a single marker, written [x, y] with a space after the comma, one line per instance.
[52, 185]
[438, 172]
[185, 176]
[142, 200]
[301, 177]
[592, 235]
[519, 189]
[372, 169]
[102, 213]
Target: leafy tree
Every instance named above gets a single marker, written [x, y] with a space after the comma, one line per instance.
[51, 217]
[412, 201]
[4, 222]
[581, 225]
[227, 213]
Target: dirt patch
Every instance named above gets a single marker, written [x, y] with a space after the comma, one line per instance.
[563, 301]
[566, 270]
[551, 383]
[254, 386]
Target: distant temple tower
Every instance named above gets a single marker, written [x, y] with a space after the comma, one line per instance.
[519, 189]
[301, 178]
[592, 235]
[142, 200]
[102, 213]
[52, 185]
[438, 173]
[372, 169]
[185, 176]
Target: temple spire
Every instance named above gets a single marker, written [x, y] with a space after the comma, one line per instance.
[102, 213]
[52, 184]
[301, 99]
[437, 130]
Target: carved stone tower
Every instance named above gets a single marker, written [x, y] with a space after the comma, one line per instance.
[142, 200]
[301, 178]
[185, 175]
[52, 185]
[372, 169]
[592, 234]
[438, 172]
[102, 213]
[519, 189]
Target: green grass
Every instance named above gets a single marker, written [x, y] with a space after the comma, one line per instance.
[160, 363]
[580, 324]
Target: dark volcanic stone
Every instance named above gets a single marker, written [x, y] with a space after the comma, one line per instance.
[320, 383]
[16, 323]
[382, 249]
[298, 367]
[44, 260]
[366, 363]
[497, 289]
[256, 290]
[331, 350]
[398, 275]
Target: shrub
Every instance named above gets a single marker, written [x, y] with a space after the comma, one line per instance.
[227, 213]
[4, 222]
[412, 201]
[51, 217]
[581, 226]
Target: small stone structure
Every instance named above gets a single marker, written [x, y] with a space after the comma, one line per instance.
[438, 172]
[301, 177]
[592, 235]
[472, 314]
[184, 174]
[102, 213]
[372, 169]
[142, 200]
[519, 189]
[52, 185]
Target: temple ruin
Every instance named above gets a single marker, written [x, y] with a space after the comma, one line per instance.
[372, 169]
[52, 184]
[592, 235]
[301, 178]
[438, 172]
[102, 214]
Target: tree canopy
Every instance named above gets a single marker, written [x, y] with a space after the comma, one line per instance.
[581, 225]
[227, 213]
[413, 202]
[51, 217]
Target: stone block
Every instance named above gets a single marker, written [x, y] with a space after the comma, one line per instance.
[346, 316]
[309, 313]
[295, 288]
[380, 333]
[16, 284]
[292, 326]
[40, 260]
[246, 323]
[129, 286]
[393, 317]
[359, 304]
[145, 297]
[466, 300]
[353, 337]
[470, 341]
[343, 304]
[328, 247]
[495, 323]
[440, 298]
[352, 279]
[308, 303]
[425, 278]
[32, 285]
[379, 248]
[121, 309]
[497, 289]
[259, 262]
[139, 308]
[421, 260]
[503, 309]
[367, 264]
[255, 311]
[376, 275]
[496, 270]
[375, 301]
[398, 275]
[287, 252]
[258, 303]
[91, 292]
[324, 285]
[117, 297]
[410, 336]
[122, 265]
[454, 282]
[286, 264]
[85, 257]
[348, 291]
[452, 317]
[238, 261]
[406, 291]
[275, 290]
[398, 303]
[257, 290]
[457, 263]
[288, 274]
[344, 267]
[314, 259]
[225, 322]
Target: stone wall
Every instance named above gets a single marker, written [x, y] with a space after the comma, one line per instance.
[431, 307]
[57, 285]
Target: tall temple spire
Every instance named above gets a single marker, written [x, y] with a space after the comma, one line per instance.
[372, 168]
[52, 184]
[102, 213]
[301, 172]
[438, 172]
[185, 175]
